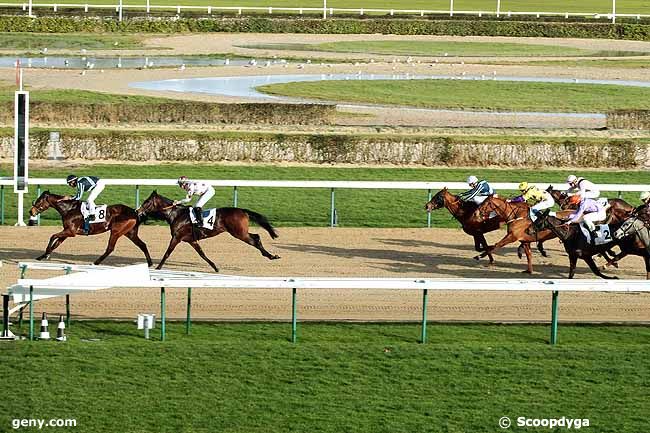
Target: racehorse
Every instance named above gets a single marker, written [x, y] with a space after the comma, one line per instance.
[121, 221]
[618, 211]
[231, 219]
[516, 217]
[578, 246]
[464, 214]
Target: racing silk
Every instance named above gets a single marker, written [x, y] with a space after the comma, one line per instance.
[482, 188]
[85, 183]
[195, 188]
[531, 196]
[587, 205]
[585, 189]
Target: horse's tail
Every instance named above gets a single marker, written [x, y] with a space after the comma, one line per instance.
[261, 220]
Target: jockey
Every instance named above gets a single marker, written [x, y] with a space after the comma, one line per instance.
[92, 184]
[589, 211]
[537, 199]
[582, 187]
[479, 192]
[640, 222]
[203, 190]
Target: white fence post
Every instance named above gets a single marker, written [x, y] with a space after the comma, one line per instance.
[451, 8]
[120, 11]
[148, 7]
[613, 11]
[498, 8]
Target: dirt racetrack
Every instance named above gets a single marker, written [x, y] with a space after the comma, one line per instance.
[426, 253]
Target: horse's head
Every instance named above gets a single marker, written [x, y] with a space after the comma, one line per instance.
[41, 204]
[438, 200]
[559, 196]
[154, 203]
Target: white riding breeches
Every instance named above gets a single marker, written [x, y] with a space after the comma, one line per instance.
[593, 217]
[544, 204]
[205, 197]
[591, 194]
[99, 187]
[479, 199]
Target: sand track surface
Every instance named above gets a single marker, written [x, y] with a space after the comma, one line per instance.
[425, 253]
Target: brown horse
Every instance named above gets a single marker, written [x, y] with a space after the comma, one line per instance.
[618, 211]
[121, 221]
[519, 226]
[231, 219]
[578, 246]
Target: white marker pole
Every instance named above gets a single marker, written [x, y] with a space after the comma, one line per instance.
[120, 10]
[498, 8]
[30, 9]
[324, 9]
[613, 11]
[451, 8]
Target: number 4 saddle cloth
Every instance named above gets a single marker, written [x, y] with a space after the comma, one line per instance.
[603, 234]
[209, 218]
[100, 213]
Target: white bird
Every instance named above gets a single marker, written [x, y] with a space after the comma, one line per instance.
[182, 68]
[575, 80]
[252, 62]
[44, 50]
[301, 66]
[446, 54]
[83, 51]
[116, 43]
[226, 62]
[83, 73]
[308, 61]
[66, 62]
[409, 59]
[267, 64]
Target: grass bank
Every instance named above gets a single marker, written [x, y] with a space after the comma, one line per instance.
[442, 48]
[358, 378]
[472, 94]
[36, 42]
[295, 207]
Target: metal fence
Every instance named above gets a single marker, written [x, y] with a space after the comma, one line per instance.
[326, 11]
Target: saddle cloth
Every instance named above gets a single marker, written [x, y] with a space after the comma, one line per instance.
[603, 234]
[100, 213]
[209, 218]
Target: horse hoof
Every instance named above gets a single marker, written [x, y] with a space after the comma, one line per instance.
[477, 258]
[274, 257]
[545, 254]
[527, 272]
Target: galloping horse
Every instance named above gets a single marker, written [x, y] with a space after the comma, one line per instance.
[578, 246]
[464, 214]
[121, 221]
[618, 211]
[519, 223]
[231, 219]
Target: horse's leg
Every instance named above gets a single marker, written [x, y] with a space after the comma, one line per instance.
[197, 247]
[255, 240]
[520, 250]
[133, 237]
[56, 240]
[540, 248]
[529, 258]
[239, 230]
[507, 239]
[573, 262]
[646, 257]
[485, 248]
[594, 268]
[172, 244]
[477, 243]
[115, 235]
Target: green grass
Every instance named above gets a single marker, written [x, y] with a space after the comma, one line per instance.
[472, 94]
[32, 41]
[80, 97]
[439, 48]
[354, 378]
[584, 63]
[309, 207]
[592, 6]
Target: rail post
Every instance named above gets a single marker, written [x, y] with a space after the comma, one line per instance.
[554, 315]
[294, 313]
[234, 196]
[162, 314]
[332, 209]
[23, 270]
[324, 9]
[429, 213]
[137, 196]
[188, 321]
[38, 194]
[120, 11]
[451, 8]
[498, 8]
[2, 204]
[423, 336]
[31, 313]
[67, 302]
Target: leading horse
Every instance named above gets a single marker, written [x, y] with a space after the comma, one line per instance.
[231, 219]
[618, 210]
[121, 221]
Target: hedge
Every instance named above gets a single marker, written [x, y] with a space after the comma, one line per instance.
[460, 27]
[628, 119]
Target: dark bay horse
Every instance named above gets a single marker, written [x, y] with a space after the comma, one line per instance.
[231, 219]
[464, 214]
[618, 211]
[121, 221]
[578, 246]
[519, 224]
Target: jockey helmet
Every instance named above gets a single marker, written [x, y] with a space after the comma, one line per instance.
[645, 196]
[182, 180]
[71, 178]
[472, 180]
[575, 199]
[523, 186]
[571, 179]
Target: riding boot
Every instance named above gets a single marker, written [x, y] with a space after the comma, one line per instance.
[594, 235]
[86, 226]
[198, 213]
